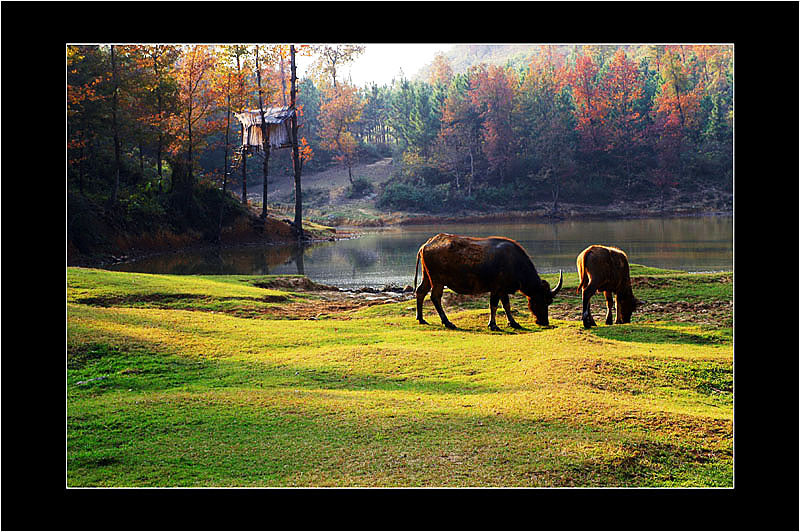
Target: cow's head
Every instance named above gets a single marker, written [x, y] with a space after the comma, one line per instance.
[626, 304]
[540, 296]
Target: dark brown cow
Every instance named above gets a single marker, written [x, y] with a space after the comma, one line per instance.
[470, 265]
[605, 269]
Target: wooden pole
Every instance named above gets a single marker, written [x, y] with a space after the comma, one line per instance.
[298, 194]
[264, 138]
[115, 126]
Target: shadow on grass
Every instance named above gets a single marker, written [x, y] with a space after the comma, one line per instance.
[662, 334]
[653, 463]
[99, 367]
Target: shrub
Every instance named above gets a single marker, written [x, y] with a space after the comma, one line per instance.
[404, 196]
[360, 188]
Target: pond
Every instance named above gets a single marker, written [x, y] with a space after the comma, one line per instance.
[388, 256]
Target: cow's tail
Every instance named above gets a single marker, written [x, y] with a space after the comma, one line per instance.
[582, 274]
[416, 270]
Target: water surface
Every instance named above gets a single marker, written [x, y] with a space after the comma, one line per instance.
[388, 256]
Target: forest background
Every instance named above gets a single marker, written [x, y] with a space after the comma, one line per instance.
[482, 128]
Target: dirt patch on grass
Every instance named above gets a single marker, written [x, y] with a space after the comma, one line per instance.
[155, 300]
[334, 305]
[159, 300]
[329, 301]
[294, 283]
[715, 313]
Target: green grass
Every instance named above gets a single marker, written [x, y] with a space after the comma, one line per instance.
[202, 381]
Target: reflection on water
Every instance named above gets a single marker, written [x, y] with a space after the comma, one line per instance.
[388, 256]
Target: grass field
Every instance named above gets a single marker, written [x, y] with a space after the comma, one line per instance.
[217, 381]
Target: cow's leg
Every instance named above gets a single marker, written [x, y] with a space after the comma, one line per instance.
[507, 307]
[586, 314]
[619, 316]
[421, 291]
[436, 297]
[609, 307]
[494, 299]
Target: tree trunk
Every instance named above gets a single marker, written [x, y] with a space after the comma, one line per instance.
[471, 173]
[264, 138]
[160, 132]
[266, 171]
[283, 80]
[190, 178]
[227, 136]
[298, 194]
[141, 161]
[244, 173]
[115, 126]
[556, 189]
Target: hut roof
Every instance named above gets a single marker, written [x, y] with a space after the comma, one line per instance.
[272, 115]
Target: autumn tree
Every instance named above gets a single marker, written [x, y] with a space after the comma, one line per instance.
[676, 112]
[156, 64]
[441, 71]
[240, 54]
[196, 101]
[115, 122]
[545, 124]
[493, 94]
[331, 58]
[458, 144]
[226, 79]
[622, 88]
[87, 87]
[339, 112]
[590, 110]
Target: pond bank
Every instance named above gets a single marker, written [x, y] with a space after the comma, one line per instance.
[542, 213]
[278, 232]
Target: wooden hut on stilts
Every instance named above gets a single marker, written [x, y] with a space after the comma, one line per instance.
[278, 124]
[278, 121]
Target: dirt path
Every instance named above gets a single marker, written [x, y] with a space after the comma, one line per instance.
[335, 179]
[325, 200]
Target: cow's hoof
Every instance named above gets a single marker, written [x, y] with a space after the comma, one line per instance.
[514, 325]
[450, 326]
[589, 324]
[422, 322]
[494, 327]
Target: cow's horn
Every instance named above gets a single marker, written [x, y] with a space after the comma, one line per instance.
[560, 282]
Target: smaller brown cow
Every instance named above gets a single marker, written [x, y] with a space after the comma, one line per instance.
[605, 269]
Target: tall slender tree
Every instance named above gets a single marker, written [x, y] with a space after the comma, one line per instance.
[115, 123]
[265, 142]
[296, 162]
[331, 58]
[197, 101]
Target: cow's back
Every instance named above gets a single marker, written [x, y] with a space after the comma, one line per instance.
[606, 266]
[473, 265]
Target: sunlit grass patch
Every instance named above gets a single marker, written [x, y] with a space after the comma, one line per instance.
[163, 395]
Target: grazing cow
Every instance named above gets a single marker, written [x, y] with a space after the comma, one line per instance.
[469, 265]
[605, 269]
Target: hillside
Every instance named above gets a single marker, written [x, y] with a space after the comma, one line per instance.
[462, 57]
[326, 200]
